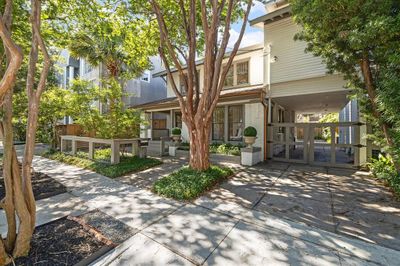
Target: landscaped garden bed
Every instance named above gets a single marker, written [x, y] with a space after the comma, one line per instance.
[43, 186]
[188, 184]
[71, 240]
[218, 148]
[128, 164]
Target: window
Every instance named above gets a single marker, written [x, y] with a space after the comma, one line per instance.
[235, 122]
[229, 78]
[218, 124]
[182, 82]
[242, 73]
[178, 120]
[238, 74]
[146, 76]
[87, 67]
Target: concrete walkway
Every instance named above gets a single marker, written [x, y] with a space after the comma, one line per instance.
[226, 227]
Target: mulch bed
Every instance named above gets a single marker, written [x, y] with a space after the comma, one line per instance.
[76, 240]
[43, 186]
[63, 242]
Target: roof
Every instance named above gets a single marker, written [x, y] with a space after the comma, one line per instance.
[243, 50]
[273, 16]
[227, 95]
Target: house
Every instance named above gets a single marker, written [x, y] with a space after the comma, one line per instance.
[139, 91]
[270, 87]
[240, 104]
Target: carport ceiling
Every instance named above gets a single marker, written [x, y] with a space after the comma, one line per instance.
[314, 103]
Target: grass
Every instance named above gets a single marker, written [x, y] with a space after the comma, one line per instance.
[188, 184]
[219, 148]
[127, 164]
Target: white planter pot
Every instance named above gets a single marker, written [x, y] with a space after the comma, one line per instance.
[176, 138]
[249, 141]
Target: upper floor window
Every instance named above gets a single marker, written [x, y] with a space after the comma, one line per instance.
[242, 73]
[182, 82]
[238, 74]
[87, 67]
[146, 76]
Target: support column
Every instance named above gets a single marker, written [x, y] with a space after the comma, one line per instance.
[114, 152]
[135, 148]
[62, 145]
[73, 146]
[91, 150]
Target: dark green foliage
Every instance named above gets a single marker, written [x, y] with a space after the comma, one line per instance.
[250, 132]
[126, 166]
[383, 169]
[220, 148]
[188, 184]
[176, 131]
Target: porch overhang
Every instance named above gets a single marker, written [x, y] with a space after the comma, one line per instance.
[250, 95]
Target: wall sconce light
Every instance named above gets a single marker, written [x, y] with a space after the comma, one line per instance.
[274, 59]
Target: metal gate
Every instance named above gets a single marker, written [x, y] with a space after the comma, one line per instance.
[330, 144]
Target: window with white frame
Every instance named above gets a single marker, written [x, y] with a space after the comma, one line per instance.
[237, 75]
[218, 128]
[146, 76]
[235, 122]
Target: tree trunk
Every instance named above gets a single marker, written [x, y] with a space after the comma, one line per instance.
[199, 147]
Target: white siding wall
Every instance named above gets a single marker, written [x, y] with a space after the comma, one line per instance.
[292, 62]
[254, 116]
[329, 83]
[255, 69]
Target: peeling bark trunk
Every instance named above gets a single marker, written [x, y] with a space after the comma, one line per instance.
[199, 147]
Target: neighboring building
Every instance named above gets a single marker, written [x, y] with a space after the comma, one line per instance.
[139, 91]
[269, 87]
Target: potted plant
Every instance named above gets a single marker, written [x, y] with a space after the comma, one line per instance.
[250, 135]
[176, 134]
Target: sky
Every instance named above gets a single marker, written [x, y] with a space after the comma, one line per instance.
[252, 35]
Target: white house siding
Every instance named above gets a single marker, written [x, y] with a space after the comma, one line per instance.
[254, 116]
[255, 57]
[329, 83]
[292, 63]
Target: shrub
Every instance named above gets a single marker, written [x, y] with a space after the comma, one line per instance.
[127, 164]
[176, 131]
[187, 184]
[383, 169]
[250, 132]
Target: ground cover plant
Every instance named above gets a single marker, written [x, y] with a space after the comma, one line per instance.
[187, 183]
[128, 164]
[219, 148]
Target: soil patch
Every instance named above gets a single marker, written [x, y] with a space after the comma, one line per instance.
[63, 242]
[43, 186]
[111, 228]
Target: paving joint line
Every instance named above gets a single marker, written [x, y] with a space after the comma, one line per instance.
[266, 192]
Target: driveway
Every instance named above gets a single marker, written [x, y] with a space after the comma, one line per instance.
[341, 201]
[274, 214]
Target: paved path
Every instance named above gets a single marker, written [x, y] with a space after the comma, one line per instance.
[226, 227]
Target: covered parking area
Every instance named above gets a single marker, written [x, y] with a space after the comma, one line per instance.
[299, 130]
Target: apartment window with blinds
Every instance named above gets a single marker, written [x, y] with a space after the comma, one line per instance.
[229, 78]
[218, 124]
[235, 122]
[242, 73]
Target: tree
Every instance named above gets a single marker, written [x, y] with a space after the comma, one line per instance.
[361, 40]
[110, 36]
[187, 27]
[19, 202]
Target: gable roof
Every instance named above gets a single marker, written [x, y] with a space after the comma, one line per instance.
[271, 17]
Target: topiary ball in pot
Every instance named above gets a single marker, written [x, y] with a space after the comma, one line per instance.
[250, 135]
[176, 133]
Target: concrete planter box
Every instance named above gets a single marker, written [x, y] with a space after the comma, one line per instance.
[173, 148]
[250, 156]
